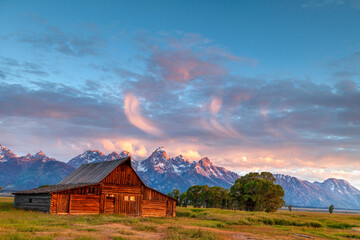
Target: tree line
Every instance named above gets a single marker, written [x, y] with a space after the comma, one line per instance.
[252, 192]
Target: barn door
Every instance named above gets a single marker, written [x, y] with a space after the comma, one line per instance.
[110, 205]
[169, 208]
[63, 203]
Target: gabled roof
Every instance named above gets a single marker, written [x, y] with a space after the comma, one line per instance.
[92, 173]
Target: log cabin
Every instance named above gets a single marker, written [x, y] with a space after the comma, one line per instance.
[99, 188]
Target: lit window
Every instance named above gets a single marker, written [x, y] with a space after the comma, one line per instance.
[126, 198]
[132, 198]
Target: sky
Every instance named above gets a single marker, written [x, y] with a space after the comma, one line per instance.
[253, 85]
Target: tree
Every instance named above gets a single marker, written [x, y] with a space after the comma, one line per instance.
[0, 188]
[193, 195]
[214, 196]
[183, 201]
[175, 194]
[331, 209]
[290, 207]
[257, 192]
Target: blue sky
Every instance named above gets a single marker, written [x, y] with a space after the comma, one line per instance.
[254, 85]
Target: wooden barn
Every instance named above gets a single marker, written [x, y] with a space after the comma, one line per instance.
[96, 188]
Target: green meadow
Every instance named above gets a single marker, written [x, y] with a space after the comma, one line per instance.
[190, 223]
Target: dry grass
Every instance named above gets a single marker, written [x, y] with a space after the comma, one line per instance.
[190, 223]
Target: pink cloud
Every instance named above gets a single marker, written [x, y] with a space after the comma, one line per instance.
[183, 66]
[132, 112]
[184, 57]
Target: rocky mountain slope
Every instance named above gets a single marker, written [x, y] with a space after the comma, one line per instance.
[92, 156]
[163, 173]
[338, 192]
[30, 171]
[159, 170]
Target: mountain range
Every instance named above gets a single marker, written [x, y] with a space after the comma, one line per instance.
[164, 173]
[30, 171]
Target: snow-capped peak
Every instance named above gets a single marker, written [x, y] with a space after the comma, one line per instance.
[205, 161]
[6, 154]
[125, 154]
[40, 154]
[160, 149]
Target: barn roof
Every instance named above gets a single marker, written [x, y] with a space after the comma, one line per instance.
[51, 188]
[92, 172]
[86, 174]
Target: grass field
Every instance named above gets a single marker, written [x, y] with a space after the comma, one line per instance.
[190, 223]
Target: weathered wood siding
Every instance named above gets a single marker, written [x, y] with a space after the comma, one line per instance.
[156, 204]
[123, 175]
[117, 188]
[84, 204]
[84, 200]
[38, 202]
[127, 199]
[152, 208]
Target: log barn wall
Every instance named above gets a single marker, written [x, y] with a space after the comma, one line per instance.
[38, 202]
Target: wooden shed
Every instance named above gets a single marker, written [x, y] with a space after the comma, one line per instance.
[105, 187]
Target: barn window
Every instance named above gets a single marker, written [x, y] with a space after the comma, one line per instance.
[132, 198]
[30, 200]
[126, 198]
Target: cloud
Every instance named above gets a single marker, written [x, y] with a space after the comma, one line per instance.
[184, 66]
[322, 3]
[137, 150]
[215, 105]
[133, 114]
[54, 39]
[213, 125]
[2, 75]
[191, 155]
[54, 101]
[185, 57]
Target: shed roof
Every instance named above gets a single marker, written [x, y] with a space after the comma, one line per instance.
[92, 172]
[51, 188]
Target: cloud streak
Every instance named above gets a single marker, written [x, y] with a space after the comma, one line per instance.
[133, 114]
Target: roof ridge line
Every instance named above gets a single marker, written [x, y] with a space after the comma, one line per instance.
[105, 161]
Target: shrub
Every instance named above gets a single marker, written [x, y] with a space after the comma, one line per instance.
[178, 233]
[146, 228]
[348, 235]
[183, 214]
[341, 225]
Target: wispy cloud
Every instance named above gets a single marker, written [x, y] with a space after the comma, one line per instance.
[321, 3]
[185, 57]
[52, 38]
[133, 114]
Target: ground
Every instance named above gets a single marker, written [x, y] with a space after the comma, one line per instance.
[190, 223]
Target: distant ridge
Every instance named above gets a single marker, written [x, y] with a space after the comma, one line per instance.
[306, 194]
[30, 171]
